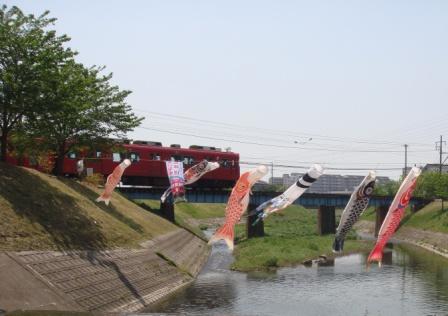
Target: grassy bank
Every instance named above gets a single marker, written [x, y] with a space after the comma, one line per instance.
[189, 215]
[431, 217]
[290, 239]
[42, 212]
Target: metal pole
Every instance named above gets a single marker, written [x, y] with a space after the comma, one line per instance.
[405, 160]
[272, 172]
[440, 151]
[441, 163]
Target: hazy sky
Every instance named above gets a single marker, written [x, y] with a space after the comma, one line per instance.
[355, 76]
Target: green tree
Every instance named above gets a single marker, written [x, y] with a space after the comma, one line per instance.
[81, 106]
[28, 54]
[432, 185]
[387, 189]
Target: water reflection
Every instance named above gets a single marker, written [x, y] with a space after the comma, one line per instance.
[411, 282]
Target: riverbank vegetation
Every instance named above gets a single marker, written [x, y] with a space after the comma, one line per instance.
[431, 217]
[194, 217]
[42, 212]
[290, 238]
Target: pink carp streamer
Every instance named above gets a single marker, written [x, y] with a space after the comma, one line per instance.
[175, 170]
[394, 215]
[112, 180]
[237, 204]
[193, 174]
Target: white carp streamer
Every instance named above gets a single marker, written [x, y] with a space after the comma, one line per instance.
[358, 202]
[193, 174]
[289, 196]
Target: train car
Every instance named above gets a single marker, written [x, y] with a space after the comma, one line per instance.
[148, 163]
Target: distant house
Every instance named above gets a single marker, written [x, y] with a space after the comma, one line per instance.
[261, 186]
[435, 167]
[328, 183]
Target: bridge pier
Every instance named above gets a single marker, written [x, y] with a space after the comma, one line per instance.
[254, 230]
[381, 212]
[326, 220]
[167, 210]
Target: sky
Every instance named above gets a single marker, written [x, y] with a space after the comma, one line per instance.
[341, 83]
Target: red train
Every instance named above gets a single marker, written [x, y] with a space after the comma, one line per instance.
[148, 163]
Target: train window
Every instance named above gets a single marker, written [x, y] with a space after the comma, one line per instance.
[98, 154]
[176, 158]
[188, 160]
[135, 157]
[116, 157]
[154, 156]
[225, 163]
[71, 155]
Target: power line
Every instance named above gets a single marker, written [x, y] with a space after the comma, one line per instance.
[324, 137]
[274, 145]
[307, 167]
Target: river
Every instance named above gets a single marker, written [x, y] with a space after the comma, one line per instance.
[412, 281]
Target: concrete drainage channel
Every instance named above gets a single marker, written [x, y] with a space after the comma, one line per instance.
[118, 282]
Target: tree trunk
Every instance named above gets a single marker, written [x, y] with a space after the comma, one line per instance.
[4, 144]
[59, 166]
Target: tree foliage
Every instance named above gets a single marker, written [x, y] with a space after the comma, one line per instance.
[47, 99]
[28, 52]
[81, 107]
[387, 189]
[432, 185]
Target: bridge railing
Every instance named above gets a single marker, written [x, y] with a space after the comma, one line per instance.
[308, 200]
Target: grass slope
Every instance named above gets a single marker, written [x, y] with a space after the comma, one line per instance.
[40, 212]
[189, 215]
[431, 217]
[291, 237]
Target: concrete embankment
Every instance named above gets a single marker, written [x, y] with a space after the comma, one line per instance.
[433, 241]
[101, 281]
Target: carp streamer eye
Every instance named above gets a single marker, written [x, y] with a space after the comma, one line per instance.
[241, 187]
[368, 189]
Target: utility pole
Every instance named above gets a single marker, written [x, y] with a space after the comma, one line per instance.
[405, 160]
[441, 152]
[272, 172]
[439, 146]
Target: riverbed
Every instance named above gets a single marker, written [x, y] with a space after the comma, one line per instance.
[412, 281]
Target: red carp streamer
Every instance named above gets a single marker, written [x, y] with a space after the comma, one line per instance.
[112, 180]
[237, 204]
[394, 215]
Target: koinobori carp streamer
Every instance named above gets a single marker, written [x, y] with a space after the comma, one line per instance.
[237, 204]
[394, 215]
[358, 202]
[289, 196]
[193, 174]
[112, 180]
[175, 170]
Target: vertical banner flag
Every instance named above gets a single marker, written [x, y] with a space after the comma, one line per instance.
[175, 170]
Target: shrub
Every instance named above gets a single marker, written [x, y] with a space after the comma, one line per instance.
[95, 179]
[271, 262]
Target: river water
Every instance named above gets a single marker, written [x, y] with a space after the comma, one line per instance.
[412, 281]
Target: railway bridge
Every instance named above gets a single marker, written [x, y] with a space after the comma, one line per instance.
[325, 203]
